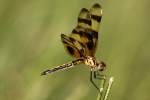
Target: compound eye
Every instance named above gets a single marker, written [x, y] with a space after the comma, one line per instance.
[102, 66]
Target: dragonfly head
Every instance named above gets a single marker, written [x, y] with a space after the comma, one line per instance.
[100, 65]
[94, 64]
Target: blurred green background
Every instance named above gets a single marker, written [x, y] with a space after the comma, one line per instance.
[30, 43]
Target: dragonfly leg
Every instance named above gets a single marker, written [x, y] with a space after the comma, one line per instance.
[99, 76]
[94, 84]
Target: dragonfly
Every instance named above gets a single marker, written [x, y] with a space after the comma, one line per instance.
[82, 44]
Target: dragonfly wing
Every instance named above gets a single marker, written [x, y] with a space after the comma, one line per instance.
[87, 29]
[73, 47]
[84, 18]
[96, 16]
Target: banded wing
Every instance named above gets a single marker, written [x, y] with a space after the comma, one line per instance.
[83, 39]
[86, 31]
[96, 16]
[73, 46]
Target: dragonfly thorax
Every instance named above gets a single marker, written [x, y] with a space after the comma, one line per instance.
[94, 64]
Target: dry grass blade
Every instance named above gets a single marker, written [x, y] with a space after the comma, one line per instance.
[104, 95]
